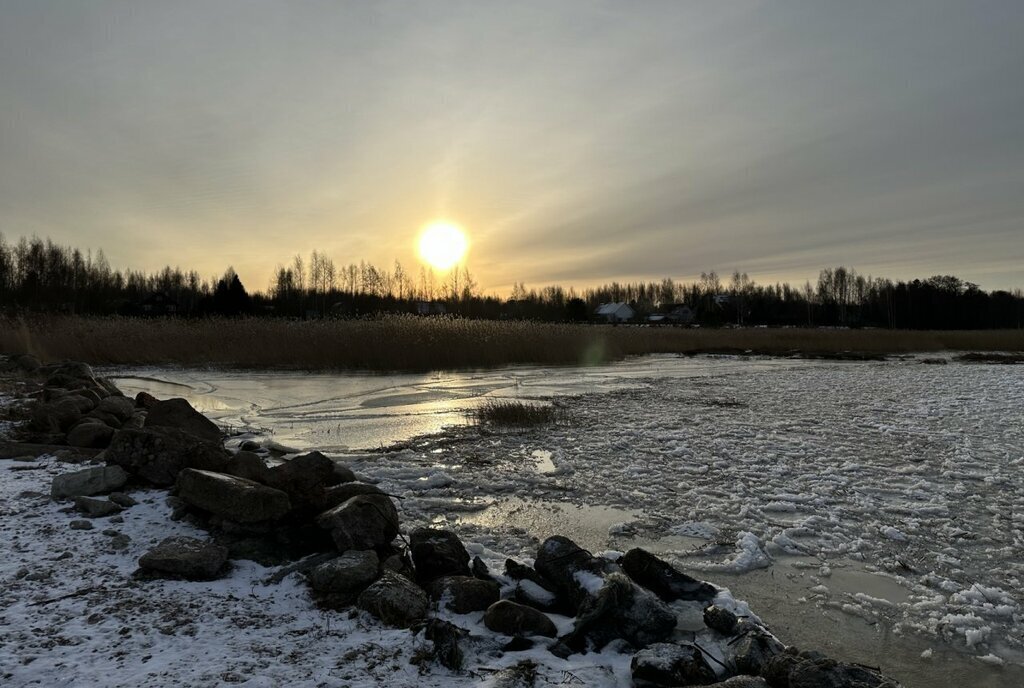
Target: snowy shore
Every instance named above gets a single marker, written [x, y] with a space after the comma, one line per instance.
[867, 503]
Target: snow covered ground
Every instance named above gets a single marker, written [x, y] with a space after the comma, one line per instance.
[873, 509]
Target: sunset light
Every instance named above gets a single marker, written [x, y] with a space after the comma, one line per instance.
[442, 245]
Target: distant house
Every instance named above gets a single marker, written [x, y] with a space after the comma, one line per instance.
[681, 314]
[159, 303]
[615, 312]
[676, 314]
[430, 308]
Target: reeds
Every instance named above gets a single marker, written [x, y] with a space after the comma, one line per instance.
[514, 413]
[415, 343]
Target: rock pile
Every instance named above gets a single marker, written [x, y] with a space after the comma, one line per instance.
[347, 538]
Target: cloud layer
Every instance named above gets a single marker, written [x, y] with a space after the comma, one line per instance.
[577, 142]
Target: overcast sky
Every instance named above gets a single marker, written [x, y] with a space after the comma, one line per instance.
[577, 142]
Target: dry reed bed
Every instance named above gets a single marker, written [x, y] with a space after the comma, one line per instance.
[412, 343]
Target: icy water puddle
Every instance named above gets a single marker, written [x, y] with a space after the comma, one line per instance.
[351, 410]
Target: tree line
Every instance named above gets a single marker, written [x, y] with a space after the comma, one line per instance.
[39, 276]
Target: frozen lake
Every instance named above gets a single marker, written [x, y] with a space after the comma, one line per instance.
[873, 510]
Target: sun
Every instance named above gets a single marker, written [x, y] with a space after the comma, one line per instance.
[442, 245]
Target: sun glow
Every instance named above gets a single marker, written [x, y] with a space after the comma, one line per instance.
[442, 245]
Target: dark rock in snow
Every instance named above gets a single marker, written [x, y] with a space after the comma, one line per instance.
[185, 557]
[479, 570]
[121, 499]
[56, 416]
[343, 474]
[85, 399]
[445, 637]
[304, 478]
[720, 619]
[339, 494]
[518, 644]
[362, 522]
[564, 563]
[235, 499]
[753, 652]
[462, 594]
[102, 417]
[159, 454]
[81, 524]
[136, 422]
[247, 465]
[120, 407]
[91, 434]
[663, 579]
[96, 508]
[27, 363]
[515, 619]
[179, 414]
[437, 553]
[348, 574]
[533, 590]
[813, 670]
[395, 600]
[741, 682]
[664, 664]
[622, 609]
[88, 481]
[145, 400]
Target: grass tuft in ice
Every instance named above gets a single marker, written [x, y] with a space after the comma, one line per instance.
[510, 412]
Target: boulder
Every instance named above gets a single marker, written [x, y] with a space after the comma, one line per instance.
[663, 579]
[343, 474]
[437, 553]
[247, 465]
[720, 619]
[74, 369]
[463, 594]
[120, 407]
[185, 557]
[136, 422]
[27, 363]
[121, 499]
[813, 670]
[741, 682]
[304, 478]
[479, 569]
[754, 650]
[81, 524]
[622, 609]
[85, 400]
[96, 508]
[91, 434]
[339, 494]
[104, 418]
[88, 481]
[664, 664]
[235, 499]
[362, 522]
[145, 400]
[348, 574]
[574, 572]
[179, 414]
[515, 619]
[157, 455]
[56, 416]
[395, 600]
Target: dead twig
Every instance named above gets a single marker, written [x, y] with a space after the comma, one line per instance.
[77, 593]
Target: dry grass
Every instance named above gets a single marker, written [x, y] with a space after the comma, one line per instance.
[514, 413]
[412, 343]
